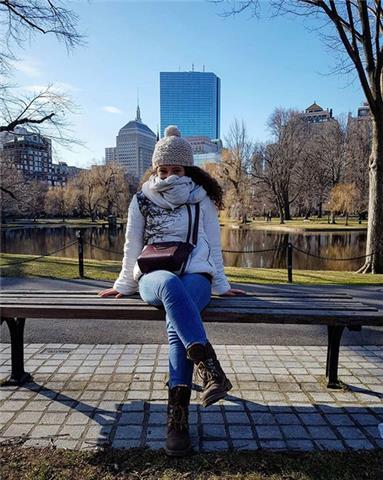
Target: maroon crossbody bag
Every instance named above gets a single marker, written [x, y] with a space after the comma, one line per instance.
[171, 256]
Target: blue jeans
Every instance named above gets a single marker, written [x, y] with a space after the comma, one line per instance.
[183, 298]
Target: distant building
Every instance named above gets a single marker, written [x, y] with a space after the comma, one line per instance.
[192, 101]
[363, 113]
[61, 172]
[201, 159]
[315, 114]
[30, 152]
[110, 154]
[205, 150]
[134, 147]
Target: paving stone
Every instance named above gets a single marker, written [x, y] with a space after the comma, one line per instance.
[211, 417]
[319, 432]
[73, 431]
[325, 444]
[351, 433]
[211, 430]
[125, 443]
[287, 419]
[359, 444]
[268, 432]
[365, 419]
[159, 418]
[245, 444]
[98, 431]
[312, 419]
[52, 418]
[305, 445]
[263, 418]
[131, 431]
[156, 432]
[237, 417]
[213, 446]
[273, 444]
[240, 431]
[18, 429]
[45, 431]
[6, 416]
[294, 431]
[341, 419]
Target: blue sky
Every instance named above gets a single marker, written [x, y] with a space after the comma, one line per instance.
[262, 64]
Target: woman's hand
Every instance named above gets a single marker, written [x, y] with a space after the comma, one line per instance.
[233, 292]
[110, 292]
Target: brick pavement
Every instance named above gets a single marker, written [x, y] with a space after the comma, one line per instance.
[88, 395]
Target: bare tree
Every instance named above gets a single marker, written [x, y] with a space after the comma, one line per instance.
[358, 150]
[343, 199]
[20, 19]
[236, 162]
[279, 165]
[356, 28]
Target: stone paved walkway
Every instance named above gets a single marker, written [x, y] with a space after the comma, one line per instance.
[88, 395]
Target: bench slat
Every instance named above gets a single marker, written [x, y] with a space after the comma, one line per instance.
[228, 314]
[62, 303]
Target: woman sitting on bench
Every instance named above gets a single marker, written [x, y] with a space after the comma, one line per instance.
[178, 202]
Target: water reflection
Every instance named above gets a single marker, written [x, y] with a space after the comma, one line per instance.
[39, 240]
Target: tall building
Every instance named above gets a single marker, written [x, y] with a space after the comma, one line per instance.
[192, 101]
[134, 147]
[30, 152]
[315, 114]
[110, 154]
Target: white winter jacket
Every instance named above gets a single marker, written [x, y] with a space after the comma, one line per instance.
[149, 223]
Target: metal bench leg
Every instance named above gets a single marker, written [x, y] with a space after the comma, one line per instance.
[334, 336]
[18, 374]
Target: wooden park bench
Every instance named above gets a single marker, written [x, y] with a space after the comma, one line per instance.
[337, 312]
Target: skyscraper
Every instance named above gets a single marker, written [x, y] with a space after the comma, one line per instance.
[191, 100]
[134, 147]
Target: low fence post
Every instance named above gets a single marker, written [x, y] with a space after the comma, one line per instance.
[80, 240]
[290, 262]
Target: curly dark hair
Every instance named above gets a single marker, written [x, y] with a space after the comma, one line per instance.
[200, 177]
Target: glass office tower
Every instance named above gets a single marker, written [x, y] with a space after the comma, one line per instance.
[191, 100]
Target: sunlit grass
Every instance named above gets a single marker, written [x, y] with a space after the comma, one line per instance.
[67, 268]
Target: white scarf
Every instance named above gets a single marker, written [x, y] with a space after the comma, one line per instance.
[172, 191]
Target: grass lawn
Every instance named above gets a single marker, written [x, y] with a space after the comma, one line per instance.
[314, 224]
[19, 463]
[67, 268]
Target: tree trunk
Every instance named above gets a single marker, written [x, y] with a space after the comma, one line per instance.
[346, 218]
[333, 218]
[286, 206]
[374, 245]
[320, 210]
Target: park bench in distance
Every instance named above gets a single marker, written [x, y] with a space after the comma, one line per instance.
[337, 312]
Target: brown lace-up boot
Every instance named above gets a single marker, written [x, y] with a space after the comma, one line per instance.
[215, 384]
[178, 441]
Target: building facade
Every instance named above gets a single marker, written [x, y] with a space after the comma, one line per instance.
[134, 147]
[316, 114]
[30, 152]
[110, 154]
[192, 101]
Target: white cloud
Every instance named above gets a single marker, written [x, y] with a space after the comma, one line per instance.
[58, 87]
[30, 67]
[111, 109]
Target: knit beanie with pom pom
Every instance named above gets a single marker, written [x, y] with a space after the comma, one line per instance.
[172, 149]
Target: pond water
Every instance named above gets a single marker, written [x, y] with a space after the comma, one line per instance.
[40, 240]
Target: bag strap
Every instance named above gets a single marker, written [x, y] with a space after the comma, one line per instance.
[189, 224]
[195, 226]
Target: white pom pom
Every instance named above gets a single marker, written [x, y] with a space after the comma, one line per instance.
[172, 130]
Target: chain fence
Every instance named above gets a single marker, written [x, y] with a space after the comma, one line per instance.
[287, 250]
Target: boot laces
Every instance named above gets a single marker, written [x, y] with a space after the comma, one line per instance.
[208, 370]
[178, 418]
